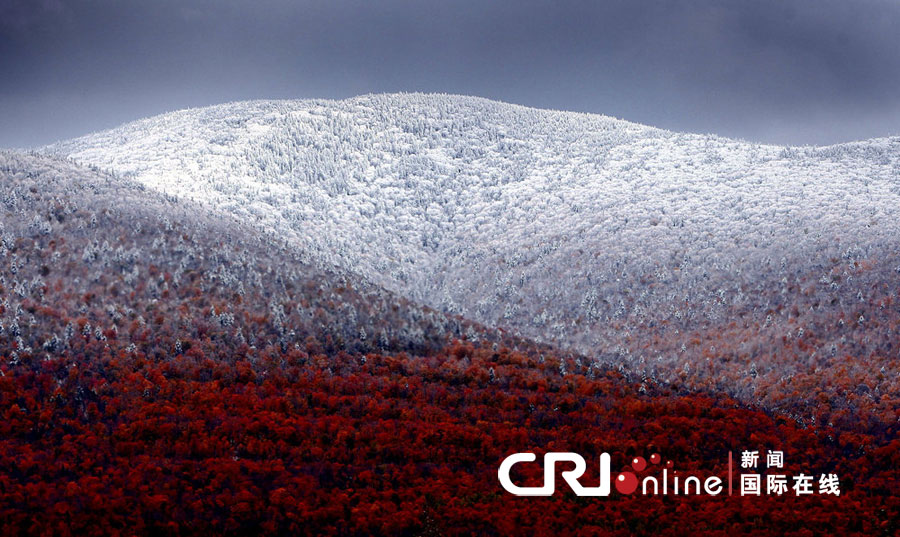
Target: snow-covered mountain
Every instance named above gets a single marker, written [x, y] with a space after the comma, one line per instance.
[81, 247]
[625, 242]
[147, 340]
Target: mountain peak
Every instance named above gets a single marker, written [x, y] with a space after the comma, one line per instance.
[482, 208]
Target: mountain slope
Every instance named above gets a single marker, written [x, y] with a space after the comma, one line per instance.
[172, 367]
[166, 370]
[88, 254]
[631, 244]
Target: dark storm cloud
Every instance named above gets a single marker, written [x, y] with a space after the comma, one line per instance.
[799, 71]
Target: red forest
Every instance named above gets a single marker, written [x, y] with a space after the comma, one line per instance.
[305, 443]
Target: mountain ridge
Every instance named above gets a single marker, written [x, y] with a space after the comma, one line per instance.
[632, 244]
[54, 146]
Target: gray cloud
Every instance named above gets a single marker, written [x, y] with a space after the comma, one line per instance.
[797, 71]
[20, 15]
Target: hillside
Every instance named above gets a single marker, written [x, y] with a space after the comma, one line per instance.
[167, 370]
[703, 261]
[86, 253]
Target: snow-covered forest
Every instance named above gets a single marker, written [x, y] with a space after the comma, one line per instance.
[84, 252]
[337, 318]
[633, 245]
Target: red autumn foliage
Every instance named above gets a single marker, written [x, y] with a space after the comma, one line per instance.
[293, 443]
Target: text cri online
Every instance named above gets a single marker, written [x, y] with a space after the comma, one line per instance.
[650, 485]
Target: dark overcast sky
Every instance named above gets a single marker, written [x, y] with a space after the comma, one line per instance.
[787, 71]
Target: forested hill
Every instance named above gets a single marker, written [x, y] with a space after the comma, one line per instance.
[683, 257]
[167, 370]
[89, 254]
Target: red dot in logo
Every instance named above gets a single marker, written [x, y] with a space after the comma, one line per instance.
[670, 464]
[626, 483]
[655, 458]
[638, 463]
